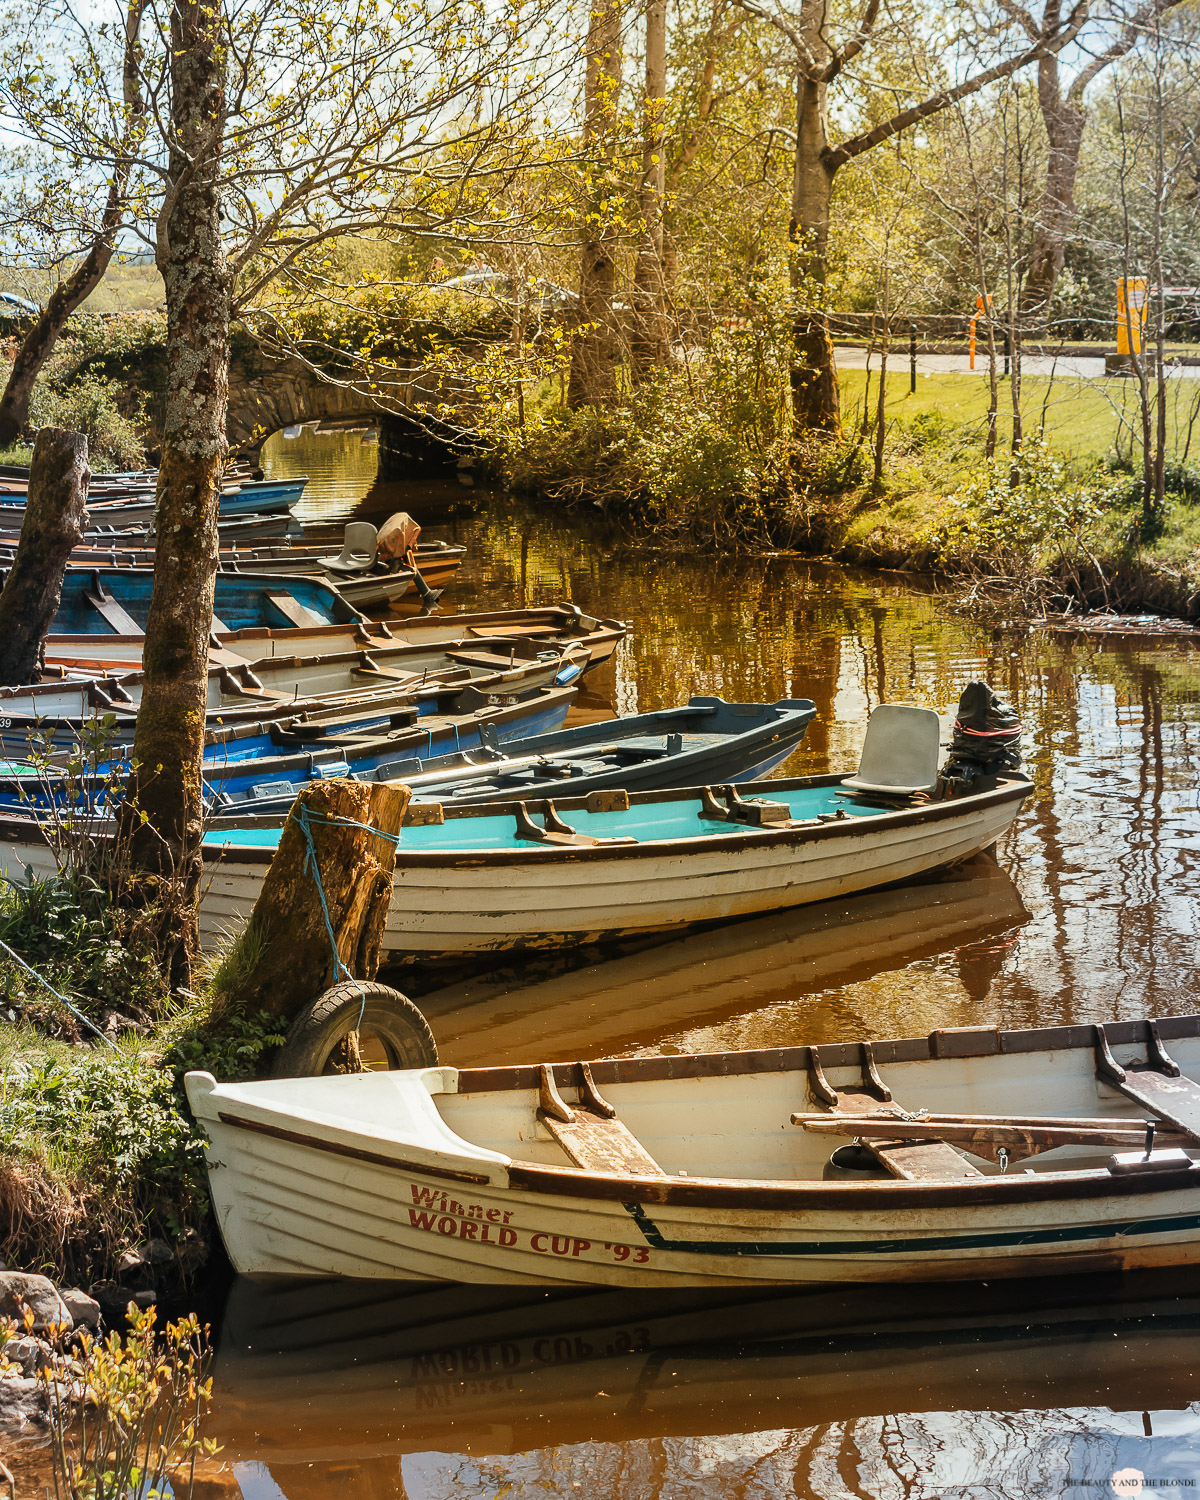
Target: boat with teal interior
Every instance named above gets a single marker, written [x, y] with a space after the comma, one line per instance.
[116, 601]
[529, 875]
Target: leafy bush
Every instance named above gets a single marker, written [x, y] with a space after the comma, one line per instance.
[67, 928]
[1017, 508]
[89, 404]
[110, 1118]
[229, 1045]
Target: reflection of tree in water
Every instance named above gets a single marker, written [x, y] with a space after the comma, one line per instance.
[936, 1456]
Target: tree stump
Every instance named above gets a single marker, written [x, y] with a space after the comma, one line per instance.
[55, 519]
[286, 949]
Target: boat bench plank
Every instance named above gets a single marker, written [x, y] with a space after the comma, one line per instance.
[294, 611]
[926, 1160]
[600, 1145]
[107, 607]
[1175, 1100]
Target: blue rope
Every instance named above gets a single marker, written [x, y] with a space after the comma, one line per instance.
[62, 999]
[304, 819]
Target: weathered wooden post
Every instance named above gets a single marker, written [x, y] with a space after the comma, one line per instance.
[332, 872]
[55, 519]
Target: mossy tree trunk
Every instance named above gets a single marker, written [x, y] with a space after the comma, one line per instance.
[55, 518]
[650, 345]
[287, 958]
[593, 379]
[163, 811]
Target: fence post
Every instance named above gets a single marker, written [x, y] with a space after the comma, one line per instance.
[912, 359]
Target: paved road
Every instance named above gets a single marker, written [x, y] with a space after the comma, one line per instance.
[1067, 366]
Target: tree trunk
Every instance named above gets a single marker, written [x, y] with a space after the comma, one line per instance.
[55, 518]
[38, 343]
[594, 354]
[816, 403]
[162, 813]
[650, 347]
[294, 962]
[1064, 124]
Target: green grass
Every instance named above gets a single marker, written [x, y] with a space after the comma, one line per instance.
[1085, 419]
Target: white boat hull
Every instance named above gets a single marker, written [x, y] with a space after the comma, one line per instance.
[374, 1177]
[545, 897]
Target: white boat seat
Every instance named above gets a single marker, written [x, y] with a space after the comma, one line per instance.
[360, 546]
[899, 753]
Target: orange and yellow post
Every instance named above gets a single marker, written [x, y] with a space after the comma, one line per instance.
[1132, 296]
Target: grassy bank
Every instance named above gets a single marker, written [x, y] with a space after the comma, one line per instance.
[98, 1152]
[1085, 419]
[702, 459]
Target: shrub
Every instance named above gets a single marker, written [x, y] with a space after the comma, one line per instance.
[1015, 509]
[88, 404]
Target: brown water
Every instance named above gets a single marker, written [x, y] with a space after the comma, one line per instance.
[1088, 912]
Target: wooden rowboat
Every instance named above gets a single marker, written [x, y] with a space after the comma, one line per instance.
[371, 587]
[556, 625]
[493, 878]
[716, 1170]
[116, 601]
[706, 740]
[254, 764]
[374, 683]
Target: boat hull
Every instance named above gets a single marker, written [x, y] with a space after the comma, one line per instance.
[309, 1183]
[544, 897]
[558, 625]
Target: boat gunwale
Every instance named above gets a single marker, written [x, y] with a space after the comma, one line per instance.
[943, 1044]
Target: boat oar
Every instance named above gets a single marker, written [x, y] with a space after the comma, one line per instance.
[484, 769]
[986, 1135]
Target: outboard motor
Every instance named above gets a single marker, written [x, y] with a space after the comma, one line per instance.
[986, 743]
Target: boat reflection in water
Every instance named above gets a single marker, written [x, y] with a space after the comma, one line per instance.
[746, 984]
[1042, 1389]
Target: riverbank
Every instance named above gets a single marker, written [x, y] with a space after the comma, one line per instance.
[1058, 527]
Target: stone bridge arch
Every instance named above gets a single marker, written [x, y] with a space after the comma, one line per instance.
[266, 395]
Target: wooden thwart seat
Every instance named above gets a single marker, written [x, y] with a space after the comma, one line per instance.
[114, 614]
[910, 1160]
[589, 1132]
[294, 611]
[1159, 1087]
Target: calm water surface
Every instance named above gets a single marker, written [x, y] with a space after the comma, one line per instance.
[1088, 912]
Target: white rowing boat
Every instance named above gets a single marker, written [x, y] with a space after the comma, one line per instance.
[506, 876]
[986, 1153]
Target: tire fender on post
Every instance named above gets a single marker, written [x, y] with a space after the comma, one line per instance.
[380, 1015]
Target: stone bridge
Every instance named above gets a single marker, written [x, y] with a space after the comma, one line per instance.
[268, 394]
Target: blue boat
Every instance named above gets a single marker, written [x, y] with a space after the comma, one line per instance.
[262, 496]
[259, 768]
[472, 757]
[116, 601]
[135, 505]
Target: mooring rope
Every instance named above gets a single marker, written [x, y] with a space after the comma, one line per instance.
[62, 999]
[304, 821]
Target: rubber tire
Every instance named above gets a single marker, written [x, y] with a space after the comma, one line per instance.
[386, 1015]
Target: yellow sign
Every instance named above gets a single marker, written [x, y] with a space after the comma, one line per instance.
[1132, 296]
